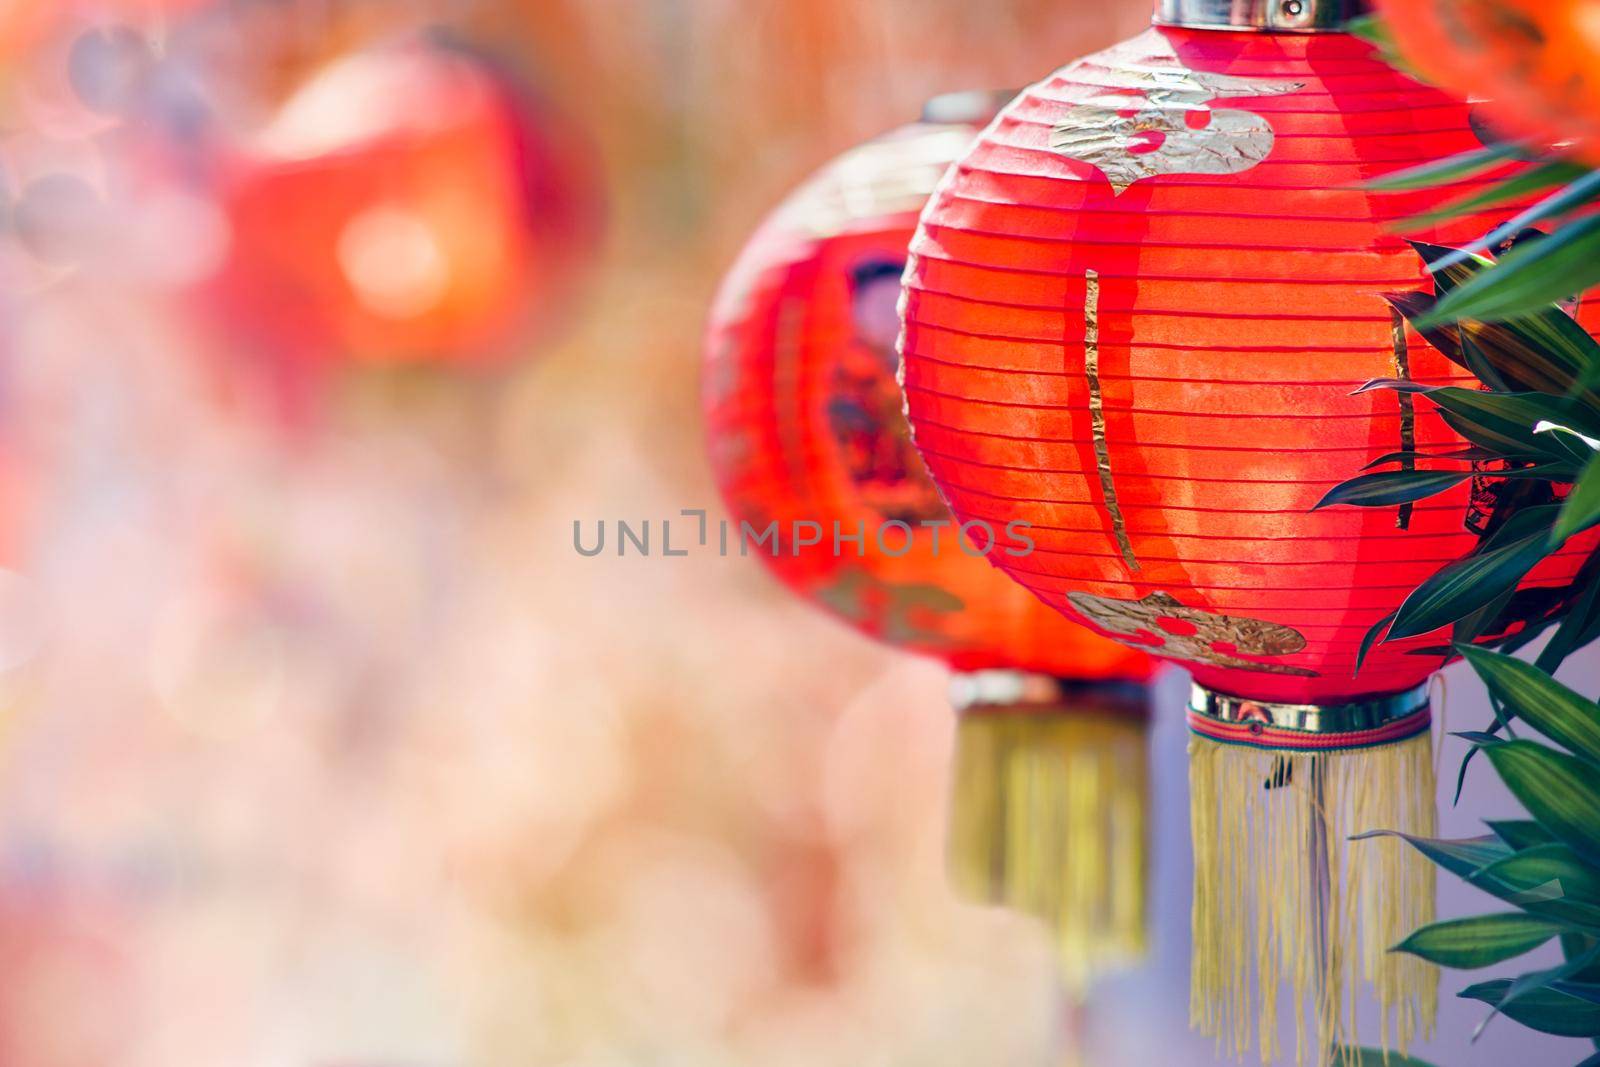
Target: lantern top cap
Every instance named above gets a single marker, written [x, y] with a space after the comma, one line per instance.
[1260, 16]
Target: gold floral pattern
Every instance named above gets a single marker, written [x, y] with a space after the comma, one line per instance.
[1186, 633]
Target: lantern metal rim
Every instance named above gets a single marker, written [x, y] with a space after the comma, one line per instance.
[996, 691]
[1259, 16]
[1379, 720]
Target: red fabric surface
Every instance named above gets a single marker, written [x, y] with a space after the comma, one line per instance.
[1240, 280]
[805, 425]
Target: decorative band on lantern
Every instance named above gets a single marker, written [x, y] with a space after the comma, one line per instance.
[1279, 16]
[1383, 720]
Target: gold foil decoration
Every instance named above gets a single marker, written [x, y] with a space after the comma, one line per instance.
[1137, 112]
[1215, 638]
[898, 613]
[1408, 406]
[1097, 417]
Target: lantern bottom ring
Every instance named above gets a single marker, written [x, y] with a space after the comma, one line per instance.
[1383, 720]
[993, 691]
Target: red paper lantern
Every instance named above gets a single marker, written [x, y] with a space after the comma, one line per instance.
[1136, 313]
[810, 448]
[409, 204]
[1135, 319]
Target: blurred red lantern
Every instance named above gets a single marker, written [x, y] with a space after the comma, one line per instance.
[1532, 62]
[810, 447]
[1134, 318]
[805, 427]
[409, 204]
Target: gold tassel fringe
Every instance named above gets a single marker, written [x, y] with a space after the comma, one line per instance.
[1050, 818]
[1283, 896]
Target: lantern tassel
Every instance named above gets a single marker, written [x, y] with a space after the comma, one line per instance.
[1050, 818]
[1282, 895]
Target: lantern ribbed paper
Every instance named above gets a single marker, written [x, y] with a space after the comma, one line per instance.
[806, 431]
[1135, 316]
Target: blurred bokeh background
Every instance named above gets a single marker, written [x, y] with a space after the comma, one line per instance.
[321, 323]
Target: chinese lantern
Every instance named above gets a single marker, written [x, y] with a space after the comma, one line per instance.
[1135, 315]
[409, 204]
[810, 449]
[1532, 61]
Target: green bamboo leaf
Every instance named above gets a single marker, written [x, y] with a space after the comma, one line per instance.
[1450, 267]
[1478, 737]
[1479, 363]
[1392, 487]
[1510, 422]
[1582, 990]
[1577, 195]
[1480, 941]
[1548, 1011]
[1536, 981]
[1509, 443]
[1563, 473]
[1412, 306]
[1519, 186]
[1374, 633]
[1529, 276]
[1549, 880]
[1520, 833]
[1580, 449]
[1561, 792]
[1581, 946]
[1544, 864]
[1462, 454]
[1545, 351]
[1581, 623]
[1445, 171]
[1461, 772]
[1570, 720]
[1532, 630]
[1462, 858]
[1469, 629]
[1397, 385]
[1582, 509]
[1466, 585]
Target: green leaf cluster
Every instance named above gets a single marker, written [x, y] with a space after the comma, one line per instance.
[1501, 309]
[1544, 870]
